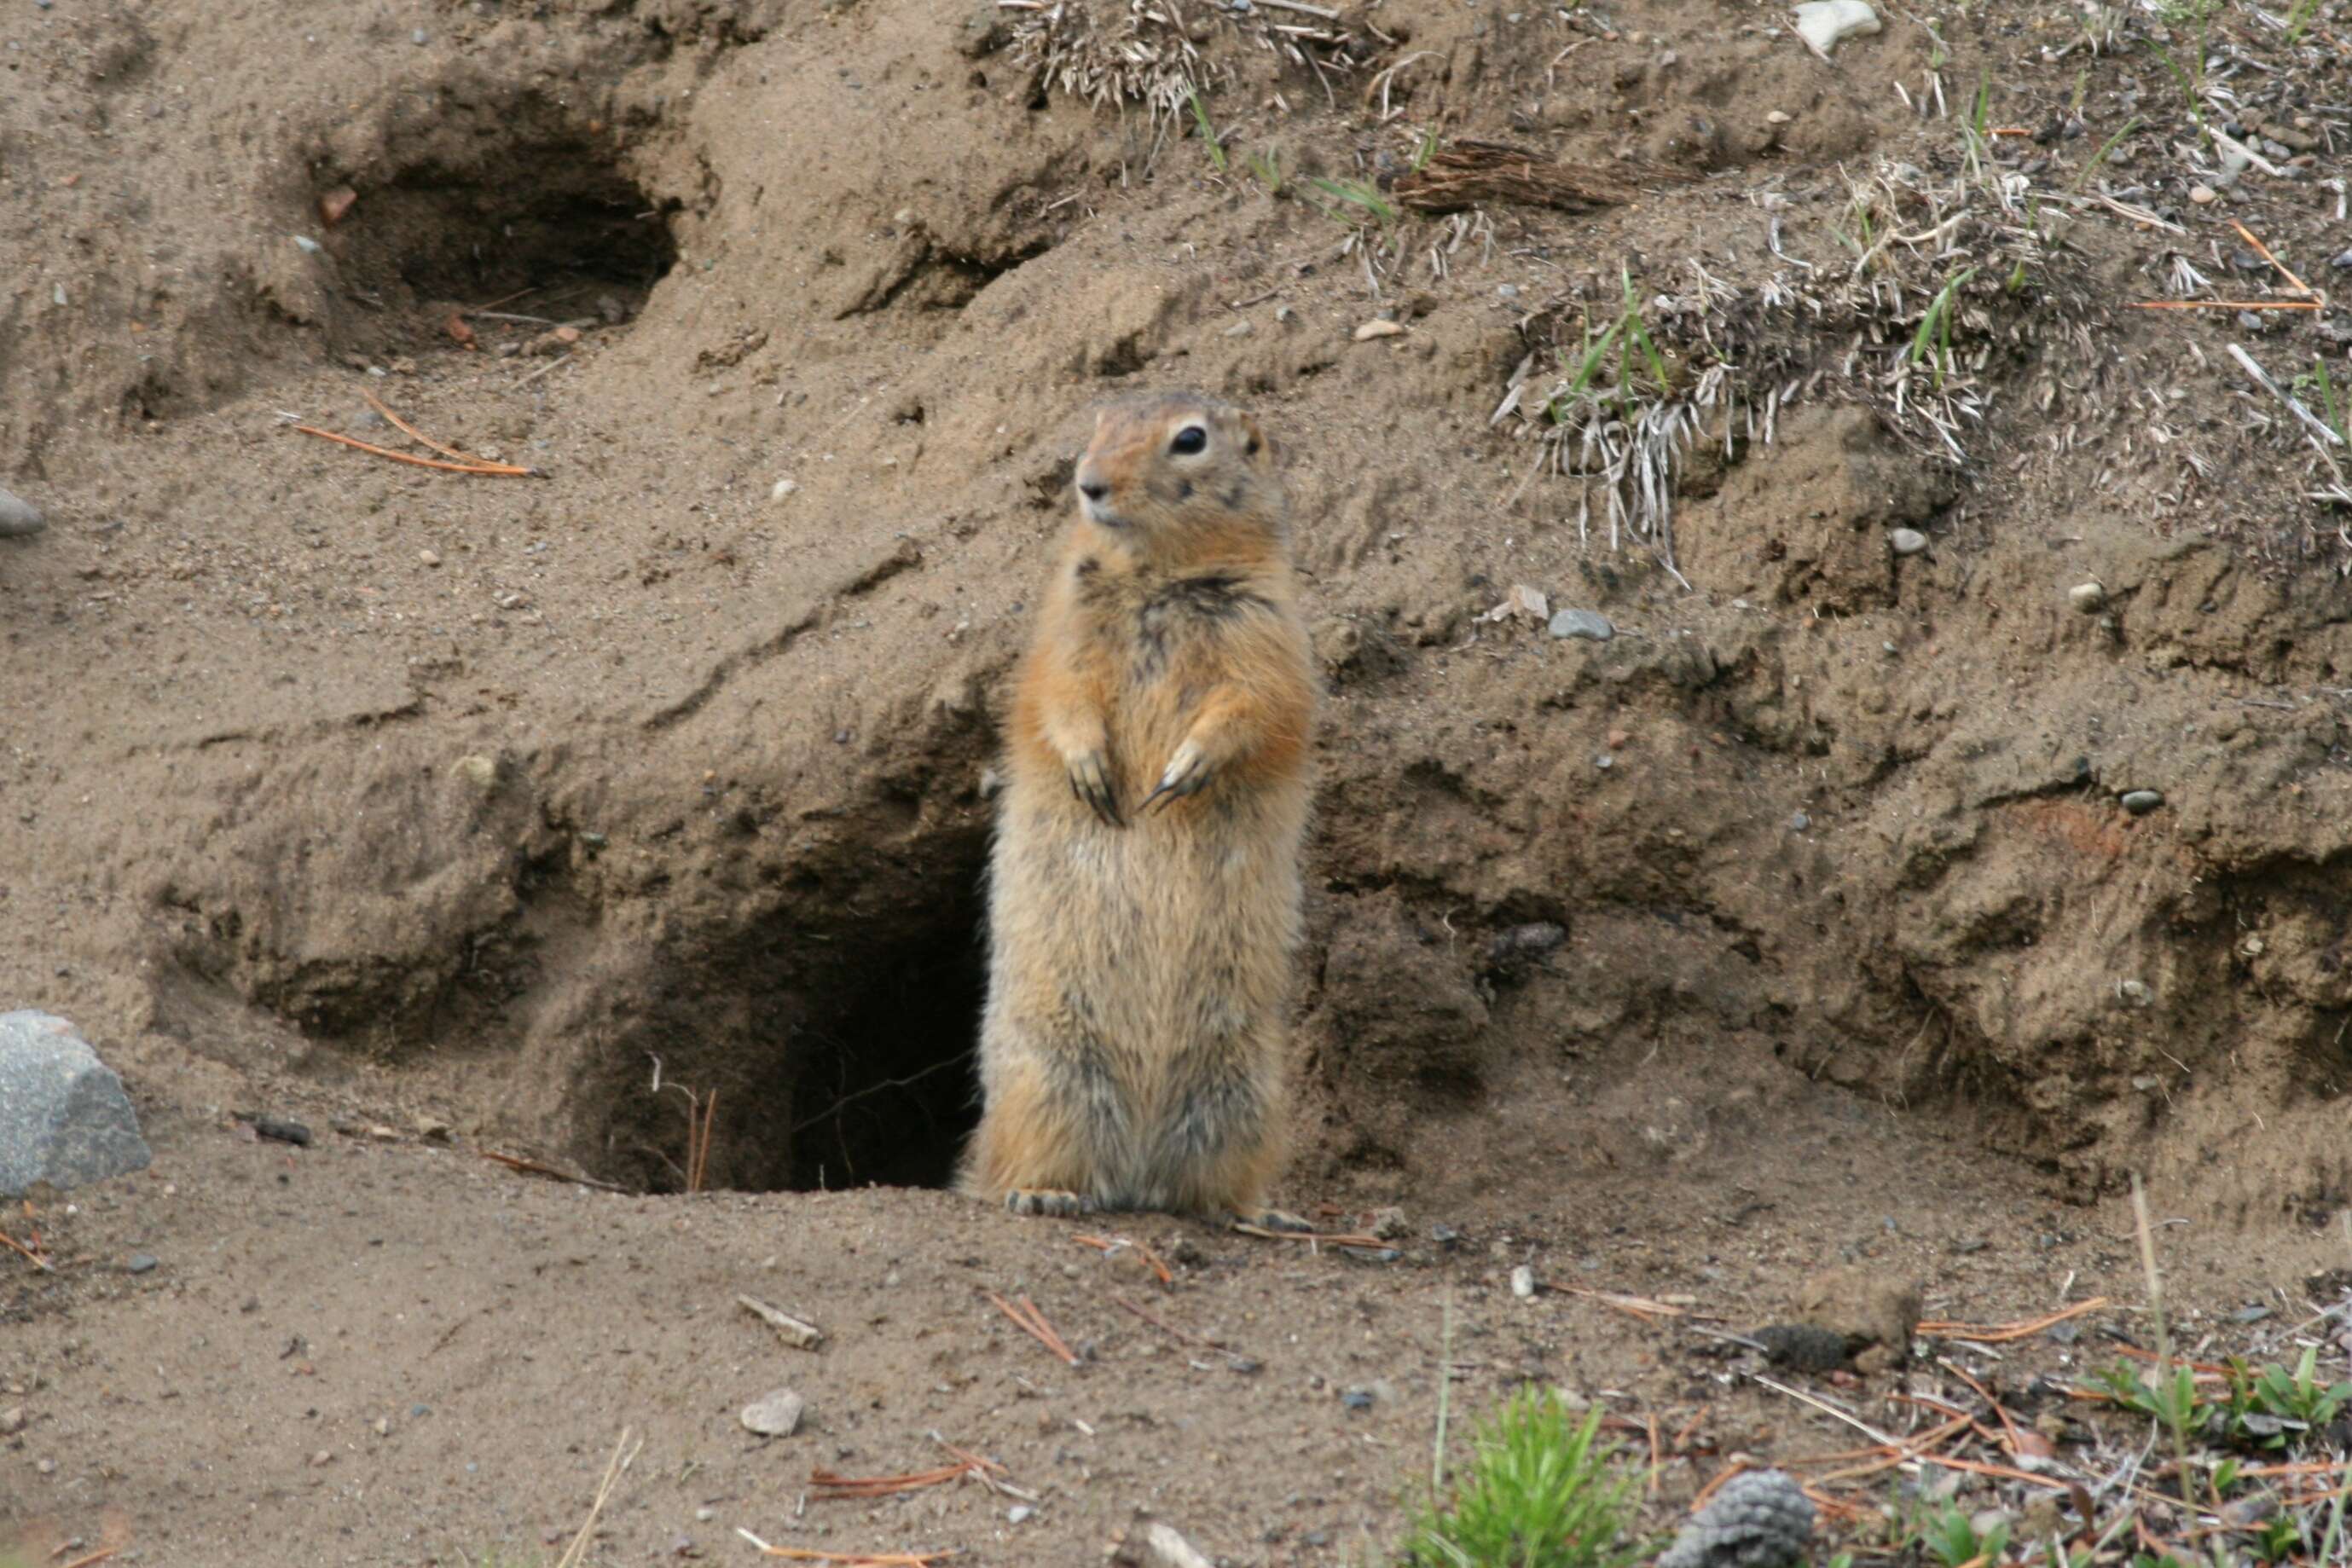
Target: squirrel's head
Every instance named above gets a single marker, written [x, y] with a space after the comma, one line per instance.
[1169, 464]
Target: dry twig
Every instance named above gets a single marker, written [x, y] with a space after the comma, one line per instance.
[532, 1167]
[2002, 1334]
[853, 1559]
[1033, 1323]
[502, 470]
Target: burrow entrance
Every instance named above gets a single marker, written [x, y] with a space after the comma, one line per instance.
[840, 1030]
[482, 193]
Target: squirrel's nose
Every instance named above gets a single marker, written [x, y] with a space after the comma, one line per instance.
[1093, 489]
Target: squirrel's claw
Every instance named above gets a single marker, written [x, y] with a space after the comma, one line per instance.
[1188, 773]
[1051, 1202]
[1090, 782]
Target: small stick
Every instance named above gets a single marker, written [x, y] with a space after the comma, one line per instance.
[1035, 1324]
[2000, 1333]
[1977, 1468]
[804, 1336]
[532, 1167]
[2225, 305]
[2264, 252]
[1683, 1435]
[1301, 8]
[1107, 1245]
[2163, 1334]
[1826, 1408]
[623, 1454]
[2272, 387]
[1164, 1327]
[541, 370]
[100, 1555]
[854, 1559]
[1657, 1458]
[411, 432]
[503, 316]
[506, 298]
[1986, 1395]
[981, 1468]
[499, 468]
[833, 1487]
[1708, 1490]
[1640, 1306]
[1326, 1237]
[34, 1259]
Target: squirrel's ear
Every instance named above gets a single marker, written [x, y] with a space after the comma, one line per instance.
[1254, 438]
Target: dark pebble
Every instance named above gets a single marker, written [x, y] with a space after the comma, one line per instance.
[284, 1132]
[1356, 1399]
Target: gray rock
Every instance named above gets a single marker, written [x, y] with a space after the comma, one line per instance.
[775, 1415]
[64, 1118]
[1588, 624]
[2087, 597]
[19, 518]
[140, 1263]
[2140, 802]
[1907, 541]
[1760, 1520]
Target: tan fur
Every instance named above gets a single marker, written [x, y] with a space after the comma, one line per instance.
[1135, 1050]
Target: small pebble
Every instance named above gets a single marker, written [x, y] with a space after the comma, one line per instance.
[417, 36]
[782, 488]
[430, 557]
[1238, 329]
[384, 1425]
[775, 1415]
[2087, 596]
[705, 1515]
[1507, 290]
[2341, 260]
[305, 244]
[1798, 821]
[1589, 624]
[12, 1421]
[1372, 329]
[45, 1467]
[140, 1263]
[2201, 194]
[1523, 1283]
[1907, 541]
[1778, 117]
[2140, 802]
[2135, 992]
[19, 518]
[1356, 1399]
[1019, 1513]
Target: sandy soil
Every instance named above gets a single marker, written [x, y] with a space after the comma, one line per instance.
[463, 813]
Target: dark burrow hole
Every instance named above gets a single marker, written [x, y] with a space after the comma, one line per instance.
[498, 197]
[887, 1088]
[839, 1032]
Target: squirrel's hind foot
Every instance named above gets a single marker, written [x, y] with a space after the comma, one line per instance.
[1048, 1201]
[1274, 1220]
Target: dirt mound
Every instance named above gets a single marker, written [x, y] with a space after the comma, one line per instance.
[521, 789]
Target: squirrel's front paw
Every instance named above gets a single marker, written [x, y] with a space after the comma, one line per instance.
[1090, 781]
[1187, 773]
[1048, 1201]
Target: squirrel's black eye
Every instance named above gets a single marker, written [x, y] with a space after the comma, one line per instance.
[1189, 440]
